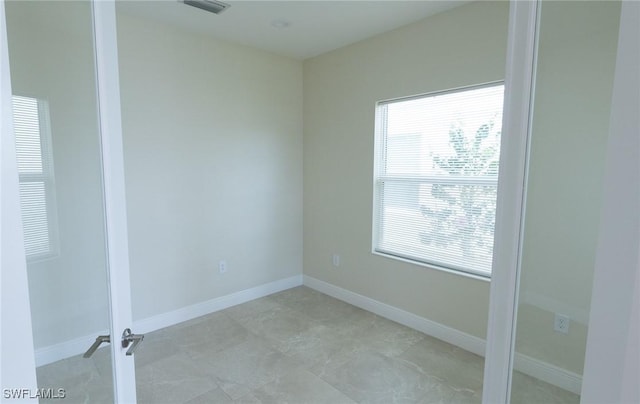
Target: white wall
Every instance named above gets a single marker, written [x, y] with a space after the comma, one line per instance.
[612, 366]
[213, 165]
[460, 47]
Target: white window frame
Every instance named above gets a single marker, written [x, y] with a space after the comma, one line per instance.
[380, 178]
[46, 177]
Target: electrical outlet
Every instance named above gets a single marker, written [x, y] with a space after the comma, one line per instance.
[222, 266]
[335, 260]
[561, 323]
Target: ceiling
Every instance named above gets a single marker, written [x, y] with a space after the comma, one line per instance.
[298, 29]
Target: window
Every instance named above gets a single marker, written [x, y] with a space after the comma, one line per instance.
[35, 170]
[436, 177]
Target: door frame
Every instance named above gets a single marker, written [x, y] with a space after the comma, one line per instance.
[16, 338]
[512, 180]
[16, 332]
[109, 115]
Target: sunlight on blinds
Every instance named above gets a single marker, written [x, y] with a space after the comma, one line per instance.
[436, 178]
[34, 169]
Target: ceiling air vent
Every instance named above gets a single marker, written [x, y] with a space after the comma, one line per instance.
[212, 6]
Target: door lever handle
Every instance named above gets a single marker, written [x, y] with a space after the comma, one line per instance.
[130, 338]
[96, 344]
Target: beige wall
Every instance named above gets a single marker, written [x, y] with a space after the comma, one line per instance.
[213, 165]
[460, 47]
[214, 157]
[51, 54]
[572, 106]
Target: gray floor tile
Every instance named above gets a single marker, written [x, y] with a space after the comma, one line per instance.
[297, 346]
[175, 379]
[252, 308]
[244, 367]
[388, 337]
[460, 369]
[216, 395]
[87, 387]
[465, 397]
[280, 325]
[323, 308]
[155, 346]
[375, 378]
[214, 332]
[80, 379]
[75, 366]
[300, 387]
[527, 390]
[321, 349]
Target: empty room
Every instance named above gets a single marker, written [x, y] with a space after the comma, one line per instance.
[320, 201]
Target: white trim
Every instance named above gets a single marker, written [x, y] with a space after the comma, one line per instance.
[458, 338]
[533, 367]
[519, 82]
[547, 372]
[220, 303]
[441, 92]
[440, 179]
[457, 272]
[17, 368]
[66, 349]
[527, 365]
[115, 208]
[79, 345]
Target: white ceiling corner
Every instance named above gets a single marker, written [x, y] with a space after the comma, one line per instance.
[314, 27]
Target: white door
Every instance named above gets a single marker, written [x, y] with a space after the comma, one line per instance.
[63, 177]
[543, 316]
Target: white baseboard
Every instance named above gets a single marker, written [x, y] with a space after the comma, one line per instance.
[547, 372]
[66, 349]
[525, 364]
[210, 306]
[79, 345]
[465, 341]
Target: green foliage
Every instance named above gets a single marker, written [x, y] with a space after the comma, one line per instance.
[456, 212]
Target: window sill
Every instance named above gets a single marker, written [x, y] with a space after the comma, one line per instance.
[485, 278]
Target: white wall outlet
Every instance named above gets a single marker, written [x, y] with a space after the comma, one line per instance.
[335, 260]
[222, 266]
[561, 323]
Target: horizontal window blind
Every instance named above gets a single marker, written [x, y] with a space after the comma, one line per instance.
[33, 200]
[436, 177]
[35, 173]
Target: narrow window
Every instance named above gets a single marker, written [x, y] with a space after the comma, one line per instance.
[436, 177]
[35, 170]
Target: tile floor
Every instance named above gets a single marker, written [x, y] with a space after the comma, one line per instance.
[296, 346]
